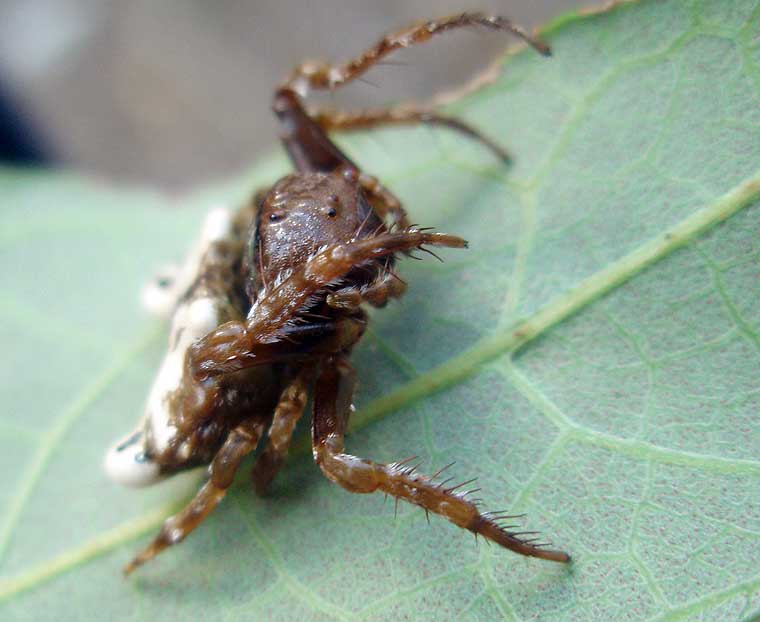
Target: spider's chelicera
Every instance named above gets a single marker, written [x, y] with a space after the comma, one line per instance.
[268, 307]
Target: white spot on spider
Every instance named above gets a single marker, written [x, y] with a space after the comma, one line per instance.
[217, 226]
[334, 76]
[127, 464]
[175, 535]
[161, 295]
[184, 451]
[192, 320]
[301, 86]
[202, 317]
[157, 296]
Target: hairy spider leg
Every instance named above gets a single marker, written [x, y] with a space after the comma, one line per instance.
[239, 345]
[287, 414]
[332, 264]
[322, 75]
[305, 136]
[377, 294]
[331, 119]
[332, 400]
[240, 442]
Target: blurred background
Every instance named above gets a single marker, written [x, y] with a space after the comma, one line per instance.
[174, 93]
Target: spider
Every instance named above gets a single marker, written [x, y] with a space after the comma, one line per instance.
[269, 305]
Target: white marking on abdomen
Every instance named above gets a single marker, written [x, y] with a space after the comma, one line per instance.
[161, 299]
[192, 320]
[127, 464]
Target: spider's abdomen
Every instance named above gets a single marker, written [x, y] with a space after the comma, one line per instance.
[184, 421]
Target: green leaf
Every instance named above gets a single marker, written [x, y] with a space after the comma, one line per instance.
[594, 358]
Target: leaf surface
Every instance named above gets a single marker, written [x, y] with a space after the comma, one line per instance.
[594, 358]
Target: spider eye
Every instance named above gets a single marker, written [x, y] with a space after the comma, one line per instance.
[332, 202]
[275, 216]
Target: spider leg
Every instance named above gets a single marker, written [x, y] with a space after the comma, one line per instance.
[377, 294]
[403, 114]
[332, 400]
[238, 345]
[289, 410]
[305, 137]
[320, 75]
[240, 442]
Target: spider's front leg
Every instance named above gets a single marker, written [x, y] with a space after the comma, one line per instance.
[260, 339]
[332, 402]
[320, 75]
[240, 442]
[305, 132]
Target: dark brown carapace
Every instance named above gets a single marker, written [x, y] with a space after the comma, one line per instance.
[269, 306]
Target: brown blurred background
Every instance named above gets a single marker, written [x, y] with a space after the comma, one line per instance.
[176, 92]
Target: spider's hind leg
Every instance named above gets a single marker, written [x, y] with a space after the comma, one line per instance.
[332, 401]
[305, 133]
[326, 76]
[240, 442]
[403, 114]
[287, 414]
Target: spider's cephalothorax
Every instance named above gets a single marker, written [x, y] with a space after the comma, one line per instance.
[268, 307]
